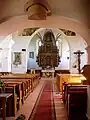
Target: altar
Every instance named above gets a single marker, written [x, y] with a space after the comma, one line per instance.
[48, 73]
[48, 54]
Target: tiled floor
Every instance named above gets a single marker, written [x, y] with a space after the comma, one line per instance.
[26, 109]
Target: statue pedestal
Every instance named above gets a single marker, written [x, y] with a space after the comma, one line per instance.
[48, 73]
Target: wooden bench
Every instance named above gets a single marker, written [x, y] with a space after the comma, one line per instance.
[12, 102]
[20, 85]
[77, 105]
[68, 78]
[76, 100]
[66, 86]
[3, 99]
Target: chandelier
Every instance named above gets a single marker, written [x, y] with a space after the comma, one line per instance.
[37, 9]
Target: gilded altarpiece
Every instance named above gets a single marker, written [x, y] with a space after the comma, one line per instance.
[48, 53]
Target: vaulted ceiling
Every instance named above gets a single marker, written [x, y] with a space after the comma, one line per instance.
[77, 10]
[73, 15]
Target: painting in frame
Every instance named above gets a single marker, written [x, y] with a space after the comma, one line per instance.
[17, 58]
[31, 55]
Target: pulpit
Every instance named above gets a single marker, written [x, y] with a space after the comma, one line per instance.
[48, 53]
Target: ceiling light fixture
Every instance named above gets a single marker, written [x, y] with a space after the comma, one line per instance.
[37, 9]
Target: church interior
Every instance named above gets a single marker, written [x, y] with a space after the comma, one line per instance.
[44, 60]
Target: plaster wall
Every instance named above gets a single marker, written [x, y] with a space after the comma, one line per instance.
[77, 43]
[20, 43]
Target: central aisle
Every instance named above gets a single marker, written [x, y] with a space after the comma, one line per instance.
[44, 107]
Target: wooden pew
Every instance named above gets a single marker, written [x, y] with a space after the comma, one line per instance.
[18, 91]
[76, 101]
[77, 105]
[12, 102]
[3, 99]
[33, 77]
[20, 85]
[68, 78]
[25, 83]
[65, 87]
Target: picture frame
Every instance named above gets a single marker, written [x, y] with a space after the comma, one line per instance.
[17, 58]
[31, 55]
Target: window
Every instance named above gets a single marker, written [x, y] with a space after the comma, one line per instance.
[39, 43]
[57, 43]
[59, 46]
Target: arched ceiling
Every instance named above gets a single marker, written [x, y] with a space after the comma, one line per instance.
[71, 15]
[75, 9]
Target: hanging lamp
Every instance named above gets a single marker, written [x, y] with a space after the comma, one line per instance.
[37, 9]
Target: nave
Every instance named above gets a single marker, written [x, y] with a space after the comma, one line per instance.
[49, 39]
[45, 101]
[55, 110]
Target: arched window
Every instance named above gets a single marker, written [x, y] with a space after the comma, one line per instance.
[59, 46]
[39, 43]
[57, 43]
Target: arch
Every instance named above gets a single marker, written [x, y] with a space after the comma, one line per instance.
[21, 22]
[65, 37]
[41, 29]
[54, 30]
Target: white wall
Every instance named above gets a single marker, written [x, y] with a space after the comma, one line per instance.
[69, 46]
[5, 53]
[5, 59]
[31, 63]
[65, 62]
[21, 42]
[77, 43]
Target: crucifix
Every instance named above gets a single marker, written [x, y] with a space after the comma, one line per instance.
[79, 53]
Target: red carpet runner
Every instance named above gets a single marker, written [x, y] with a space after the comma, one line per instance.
[44, 108]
